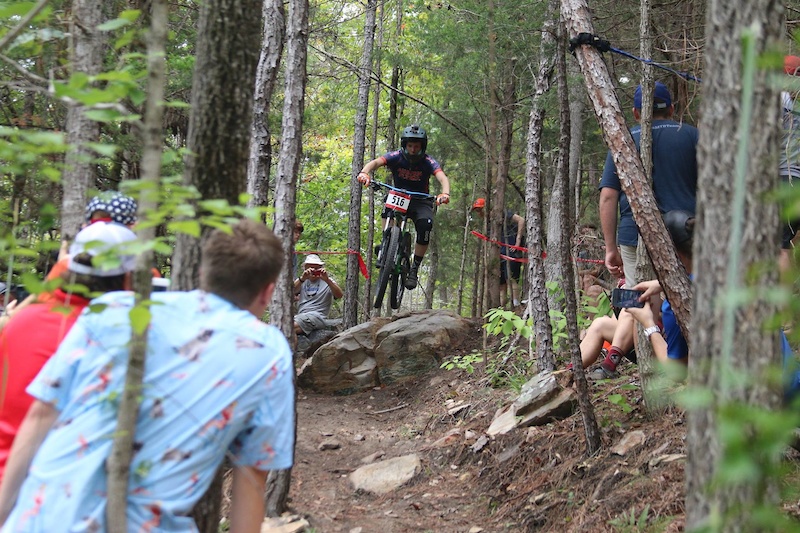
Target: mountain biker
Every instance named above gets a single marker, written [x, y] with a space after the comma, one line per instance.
[412, 169]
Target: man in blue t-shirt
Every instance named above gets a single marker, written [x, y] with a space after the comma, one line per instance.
[412, 169]
[674, 181]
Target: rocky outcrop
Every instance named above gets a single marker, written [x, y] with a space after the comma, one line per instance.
[383, 351]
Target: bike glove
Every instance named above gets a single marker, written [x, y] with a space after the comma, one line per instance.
[364, 179]
[443, 198]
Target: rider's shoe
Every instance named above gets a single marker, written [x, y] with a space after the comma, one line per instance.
[411, 279]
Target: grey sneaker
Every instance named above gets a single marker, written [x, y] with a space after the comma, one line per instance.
[601, 372]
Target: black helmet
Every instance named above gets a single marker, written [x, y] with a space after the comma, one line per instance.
[414, 132]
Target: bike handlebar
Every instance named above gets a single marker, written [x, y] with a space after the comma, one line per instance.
[377, 185]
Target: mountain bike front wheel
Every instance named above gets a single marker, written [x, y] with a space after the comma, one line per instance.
[391, 244]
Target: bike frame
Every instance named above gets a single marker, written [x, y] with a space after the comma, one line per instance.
[395, 245]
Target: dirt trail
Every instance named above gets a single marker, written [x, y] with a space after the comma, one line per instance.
[441, 498]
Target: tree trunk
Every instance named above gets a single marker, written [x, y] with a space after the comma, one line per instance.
[373, 147]
[654, 399]
[280, 309]
[391, 126]
[222, 107]
[119, 460]
[266, 75]
[433, 270]
[736, 235]
[537, 287]
[629, 166]
[219, 141]
[495, 184]
[88, 47]
[350, 311]
[562, 249]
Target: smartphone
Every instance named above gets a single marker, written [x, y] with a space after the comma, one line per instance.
[626, 298]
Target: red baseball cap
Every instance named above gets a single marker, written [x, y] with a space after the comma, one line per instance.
[791, 65]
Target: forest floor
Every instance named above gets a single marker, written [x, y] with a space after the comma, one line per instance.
[537, 479]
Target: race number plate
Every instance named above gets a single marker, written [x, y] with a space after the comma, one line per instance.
[398, 201]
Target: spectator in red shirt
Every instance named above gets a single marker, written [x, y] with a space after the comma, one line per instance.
[28, 341]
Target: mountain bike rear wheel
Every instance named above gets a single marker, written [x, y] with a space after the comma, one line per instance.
[389, 260]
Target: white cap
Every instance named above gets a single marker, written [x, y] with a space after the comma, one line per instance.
[102, 238]
[313, 259]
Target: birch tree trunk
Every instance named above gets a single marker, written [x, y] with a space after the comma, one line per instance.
[350, 307]
[88, 47]
[537, 288]
[629, 166]
[266, 75]
[736, 231]
[218, 141]
[280, 309]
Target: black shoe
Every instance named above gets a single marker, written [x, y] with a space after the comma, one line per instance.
[411, 279]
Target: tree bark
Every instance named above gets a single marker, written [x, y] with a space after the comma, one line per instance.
[629, 166]
[561, 249]
[280, 309]
[119, 461]
[218, 141]
[537, 286]
[736, 234]
[266, 75]
[88, 47]
[222, 108]
[350, 311]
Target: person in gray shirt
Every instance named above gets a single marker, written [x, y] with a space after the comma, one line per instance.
[317, 290]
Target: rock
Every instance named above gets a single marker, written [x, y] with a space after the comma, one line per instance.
[382, 351]
[503, 422]
[558, 408]
[631, 440]
[383, 477]
[415, 343]
[536, 392]
[285, 524]
[371, 458]
[329, 444]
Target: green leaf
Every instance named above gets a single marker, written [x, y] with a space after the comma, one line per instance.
[113, 24]
[188, 227]
[11, 9]
[140, 318]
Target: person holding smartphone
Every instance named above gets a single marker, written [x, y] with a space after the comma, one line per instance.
[317, 290]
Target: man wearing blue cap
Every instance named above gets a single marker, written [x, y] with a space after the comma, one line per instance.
[674, 181]
[674, 186]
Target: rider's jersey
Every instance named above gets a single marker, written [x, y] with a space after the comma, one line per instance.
[411, 176]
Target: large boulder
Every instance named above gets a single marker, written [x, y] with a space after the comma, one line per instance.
[383, 350]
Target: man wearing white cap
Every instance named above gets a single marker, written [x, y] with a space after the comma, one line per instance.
[217, 383]
[36, 331]
[317, 291]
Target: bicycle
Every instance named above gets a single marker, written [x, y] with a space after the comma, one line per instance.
[394, 255]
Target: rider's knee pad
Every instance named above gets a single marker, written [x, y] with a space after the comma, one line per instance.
[424, 227]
